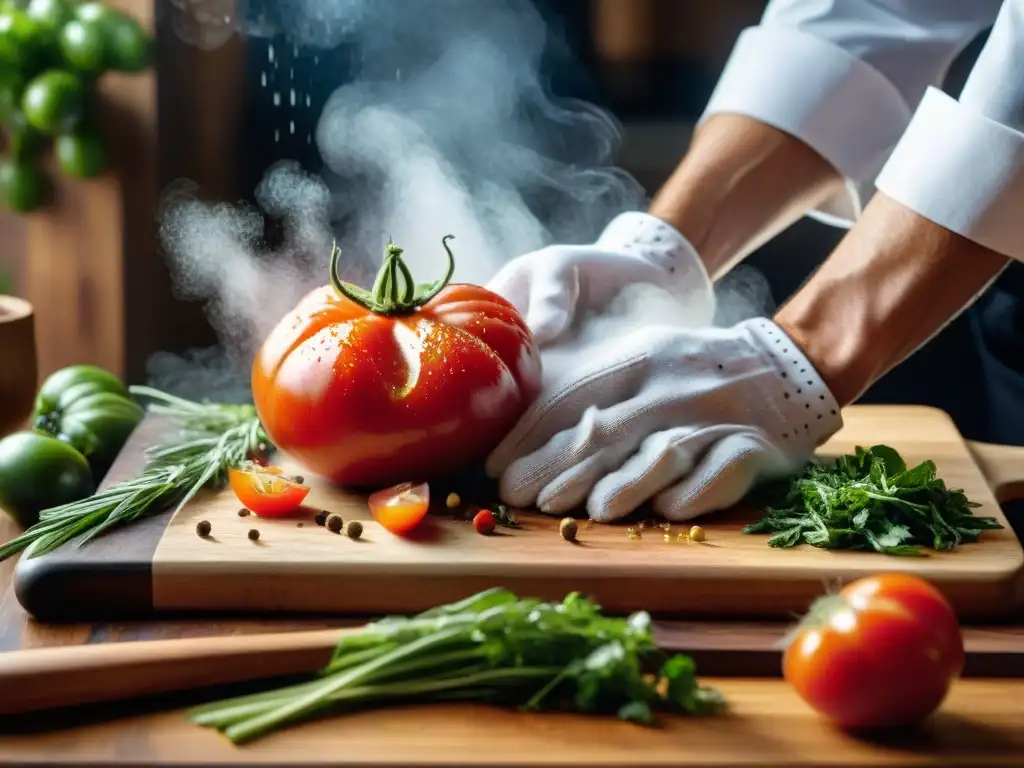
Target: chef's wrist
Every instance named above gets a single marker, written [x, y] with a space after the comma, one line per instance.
[741, 183]
[840, 358]
[895, 281]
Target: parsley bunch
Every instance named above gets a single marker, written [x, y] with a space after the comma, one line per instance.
[493, 647]
[869, 500]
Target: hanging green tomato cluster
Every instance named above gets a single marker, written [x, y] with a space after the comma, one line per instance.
[51, 52]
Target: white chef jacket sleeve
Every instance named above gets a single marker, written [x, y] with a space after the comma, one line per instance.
[845, 76]
[960, 162]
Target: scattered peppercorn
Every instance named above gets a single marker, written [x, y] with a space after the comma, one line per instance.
[243, 512]
[484, 522]
[299, 479]
[203, 528]
[254, 535]
[696, 533]
[568, 529]
[335, 523]
[452, 501]
[321, 517]
[299, 525]
[354, 529]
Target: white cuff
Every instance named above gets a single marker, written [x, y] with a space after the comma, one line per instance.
[802, 400]
[812, 89]
[657, 242]
[963, 171]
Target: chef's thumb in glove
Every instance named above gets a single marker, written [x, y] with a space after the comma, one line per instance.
[554, 286]
[689, 420]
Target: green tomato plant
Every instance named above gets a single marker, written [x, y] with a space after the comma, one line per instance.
[52, 52]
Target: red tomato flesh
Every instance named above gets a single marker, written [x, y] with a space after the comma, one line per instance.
[882, 653]
[266, 491]
[401, 509]
[369, 394]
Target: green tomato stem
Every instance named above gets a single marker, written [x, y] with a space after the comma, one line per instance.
[387, 297]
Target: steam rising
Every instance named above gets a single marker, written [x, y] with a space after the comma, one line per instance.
[447, 128]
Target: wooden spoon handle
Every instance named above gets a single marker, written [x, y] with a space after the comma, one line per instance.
[1003, 467]
[43, 678]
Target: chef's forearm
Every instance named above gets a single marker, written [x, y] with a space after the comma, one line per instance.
[893, 282]
[741, 183]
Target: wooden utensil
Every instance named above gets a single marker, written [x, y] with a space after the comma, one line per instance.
[44, 678]
[19, 371]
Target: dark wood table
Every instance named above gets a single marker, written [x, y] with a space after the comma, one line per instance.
[768, 724]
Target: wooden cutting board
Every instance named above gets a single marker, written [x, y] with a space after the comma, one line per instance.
[161, 565]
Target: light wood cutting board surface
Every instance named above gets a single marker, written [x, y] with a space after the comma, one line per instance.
[305, 567]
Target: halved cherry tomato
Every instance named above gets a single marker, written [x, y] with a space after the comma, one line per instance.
[267, 491]
[402, 507]
[881, 653]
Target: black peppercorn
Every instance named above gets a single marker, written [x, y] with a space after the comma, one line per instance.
[335, 523]
[321, 517]
[354, 529]
[203, 528]
[254, 535]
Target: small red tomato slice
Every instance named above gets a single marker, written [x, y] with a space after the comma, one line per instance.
[266, 492]
[401, 507]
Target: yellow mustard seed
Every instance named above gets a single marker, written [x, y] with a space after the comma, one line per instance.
[697, 533]
[682, 537]
[667, 537]
[452, 501]
[633, 533]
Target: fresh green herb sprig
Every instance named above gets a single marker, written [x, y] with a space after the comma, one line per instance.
[869, 500]
[212, 438]
[492, 647]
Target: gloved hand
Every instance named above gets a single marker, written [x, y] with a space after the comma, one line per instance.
[687, 419]
[554, 286]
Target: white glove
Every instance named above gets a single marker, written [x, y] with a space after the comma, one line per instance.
[555, 286]
[689, 420]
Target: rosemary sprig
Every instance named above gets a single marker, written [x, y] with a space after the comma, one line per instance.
[212, 438]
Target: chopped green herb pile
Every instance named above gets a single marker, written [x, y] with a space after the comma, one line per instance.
[492, 647]
[869, 501]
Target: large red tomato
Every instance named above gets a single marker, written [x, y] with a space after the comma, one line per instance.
[399, 383]
[881, 653]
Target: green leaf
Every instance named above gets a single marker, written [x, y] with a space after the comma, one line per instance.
[889, 457]
[636, 712]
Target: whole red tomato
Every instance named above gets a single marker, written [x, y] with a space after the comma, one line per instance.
[402, 382]
[883, 652]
